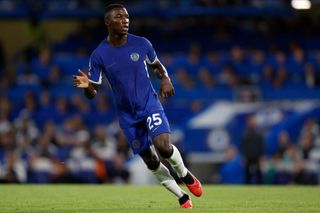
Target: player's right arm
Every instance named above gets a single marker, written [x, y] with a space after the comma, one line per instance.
[90, 82]
[82, 81]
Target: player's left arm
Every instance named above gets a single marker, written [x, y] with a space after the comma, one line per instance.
[166, 87]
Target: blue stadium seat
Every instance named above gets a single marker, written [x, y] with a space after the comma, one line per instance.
[85, 176]
[39, 177]
[2, 155]
[70, 64]
[232, 172]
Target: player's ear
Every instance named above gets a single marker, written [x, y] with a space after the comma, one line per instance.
[106, 21]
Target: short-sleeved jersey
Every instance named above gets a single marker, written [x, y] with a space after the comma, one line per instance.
[125, 67]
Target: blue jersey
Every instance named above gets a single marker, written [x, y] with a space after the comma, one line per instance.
[126, 70]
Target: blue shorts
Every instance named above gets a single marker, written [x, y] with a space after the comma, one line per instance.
[140, 136]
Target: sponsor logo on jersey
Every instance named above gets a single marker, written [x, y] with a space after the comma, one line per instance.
[134, 56]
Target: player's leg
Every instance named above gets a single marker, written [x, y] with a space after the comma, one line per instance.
[163, 175]
[173, 156]
[159, 131]
[140, 144]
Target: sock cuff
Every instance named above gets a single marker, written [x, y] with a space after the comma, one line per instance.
[176, 162]
[158, 168]
[174, 152]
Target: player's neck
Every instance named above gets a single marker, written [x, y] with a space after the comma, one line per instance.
[117, 40]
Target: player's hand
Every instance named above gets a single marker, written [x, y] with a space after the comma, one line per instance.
[81, 80]
[166, 88]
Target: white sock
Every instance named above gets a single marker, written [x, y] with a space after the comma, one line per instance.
[177, 163]
[164, 177]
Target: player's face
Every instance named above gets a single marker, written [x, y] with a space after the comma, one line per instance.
[119, 21]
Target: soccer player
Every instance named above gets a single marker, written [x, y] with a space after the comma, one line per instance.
[122, 58]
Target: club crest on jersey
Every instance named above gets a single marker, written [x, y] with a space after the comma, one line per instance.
[134, 56]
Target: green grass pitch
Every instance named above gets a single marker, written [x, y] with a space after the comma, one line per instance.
[151, 199]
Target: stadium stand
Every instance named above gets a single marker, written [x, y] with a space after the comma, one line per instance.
[260, 60]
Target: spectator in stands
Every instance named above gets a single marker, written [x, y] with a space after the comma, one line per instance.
[79, 105]
[267, 75]
[44, 146]
[196, 106]
[7, 137]
[206, 78]
[193, 58]
[60, 172]
[102, 105]
[45, 102]
[81, 149]
[82, 162]
[213, 62]
[311, 79]
[5, 109]
[14, 170]
[42, 65]
[307, 144]
[54, 77]
[103, 146]
[239, 63]
[67, 133]
[311, 128]
[297, 62]
[284, 143]
[257, 64]
[293, 164]
[232, 171]
[252, 148]
[228, 77]
[61, 110]
[118, 172]
[280, 77]
[27, 77]
[30, 104]
[122, 145]
[280, 59]
[26, 129]
[184, 79]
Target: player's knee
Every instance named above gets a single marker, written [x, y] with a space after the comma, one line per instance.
[150, 158]
[152, 162]
[163, 146]
[165, 151]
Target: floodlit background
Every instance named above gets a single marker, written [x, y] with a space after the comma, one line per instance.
[246, 74]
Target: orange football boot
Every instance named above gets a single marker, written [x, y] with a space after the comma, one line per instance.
[185, 202]
[187, 205]
[195, 188]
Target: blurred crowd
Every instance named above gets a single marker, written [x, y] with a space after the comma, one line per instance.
[49, 132]
[293, 162]
[97, 4]
[296, 162]
[60, 152]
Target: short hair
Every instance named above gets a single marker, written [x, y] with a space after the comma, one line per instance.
[110, 7]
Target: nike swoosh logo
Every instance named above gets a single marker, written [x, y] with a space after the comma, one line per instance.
[155, 129]
[108, 66]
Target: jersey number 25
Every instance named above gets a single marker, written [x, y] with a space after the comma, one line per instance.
[154, 120]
